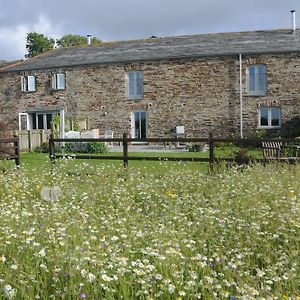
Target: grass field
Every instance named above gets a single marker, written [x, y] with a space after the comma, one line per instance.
[159, 230]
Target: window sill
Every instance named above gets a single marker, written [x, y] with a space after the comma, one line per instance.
[135, 99]
[28, 92]
[268, 127]
[58, 90]
[255, 95]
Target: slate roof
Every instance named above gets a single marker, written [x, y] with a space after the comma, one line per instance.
[202, 45]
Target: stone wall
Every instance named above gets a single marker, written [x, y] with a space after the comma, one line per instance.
[201, 94]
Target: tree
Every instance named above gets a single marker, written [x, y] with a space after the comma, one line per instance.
[72, 40]
[37, 43]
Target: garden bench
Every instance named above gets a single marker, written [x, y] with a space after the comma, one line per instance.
[275, 151]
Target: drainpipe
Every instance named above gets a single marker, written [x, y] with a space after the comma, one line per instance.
[62, 127]
[241, 96]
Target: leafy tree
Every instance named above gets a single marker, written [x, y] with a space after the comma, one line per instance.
[72, 40]
[37, 43]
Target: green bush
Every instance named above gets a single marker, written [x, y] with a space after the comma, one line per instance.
[94, 147]
[195, 147]
[89, 147]
[242, 157]
[42, 149]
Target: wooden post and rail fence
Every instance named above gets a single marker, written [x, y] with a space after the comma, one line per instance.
[10, 149]
[211, 159]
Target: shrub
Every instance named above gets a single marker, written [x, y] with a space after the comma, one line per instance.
[219, 145]
[195, 147]
[42, 149]
[90, 147]
[242, 157]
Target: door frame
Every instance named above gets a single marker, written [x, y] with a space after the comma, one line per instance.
[133, 122]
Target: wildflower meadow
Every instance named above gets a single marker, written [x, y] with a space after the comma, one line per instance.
[143, 233]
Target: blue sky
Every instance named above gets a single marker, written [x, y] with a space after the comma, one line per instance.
[111, 20]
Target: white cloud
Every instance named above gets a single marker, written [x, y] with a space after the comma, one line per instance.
[13, 40]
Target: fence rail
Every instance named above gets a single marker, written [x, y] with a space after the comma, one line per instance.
[10, 152]
[125, 140]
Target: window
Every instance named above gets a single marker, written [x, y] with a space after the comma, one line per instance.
[135, 85]
[139, 124]
[28, 83]
[256, 80]
[269, 117]
[40, 120]
[58, 81]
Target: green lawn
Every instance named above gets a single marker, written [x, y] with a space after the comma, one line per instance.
[41, 159]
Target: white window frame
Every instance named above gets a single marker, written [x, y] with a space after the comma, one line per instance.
[135, 88]
[59, 81]
[256, 91]
[20, 121]
[269, 126]
[28, 83]
[133, 133]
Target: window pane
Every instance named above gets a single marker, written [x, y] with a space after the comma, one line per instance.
[264, 117]
[135, 85]
[275, 116]
[31, 83]
[143, 125]
[140, 84]
[251, 78]
[48, 120]
[60, 81]
[131, 84]
[262, 78]
[40, 121]
[137, 125]
[33, 121]
[24, 84]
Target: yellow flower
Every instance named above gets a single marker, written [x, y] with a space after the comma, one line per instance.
[170, 194]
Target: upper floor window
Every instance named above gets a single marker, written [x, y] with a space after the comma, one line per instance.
[269, 117]
[256, 80]
[28, 83]
[135, 85]
[59, 81]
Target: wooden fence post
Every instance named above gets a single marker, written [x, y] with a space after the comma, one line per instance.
[211, 150]
[125, 150]
[42, 136]
[51, 148]
[30, 142]
[17, 150]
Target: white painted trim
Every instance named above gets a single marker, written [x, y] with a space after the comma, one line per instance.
[27, 120]
[241, 96]
[269, 118]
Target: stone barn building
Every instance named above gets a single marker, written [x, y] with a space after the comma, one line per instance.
[228, 83]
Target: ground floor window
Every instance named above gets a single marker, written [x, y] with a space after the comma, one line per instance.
[139, 124]
[269, 117]
[40, 120]
[36, 120]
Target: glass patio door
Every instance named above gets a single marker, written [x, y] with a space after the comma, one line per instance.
[140, 124]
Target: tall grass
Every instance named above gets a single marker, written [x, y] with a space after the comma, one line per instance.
[145, 234]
